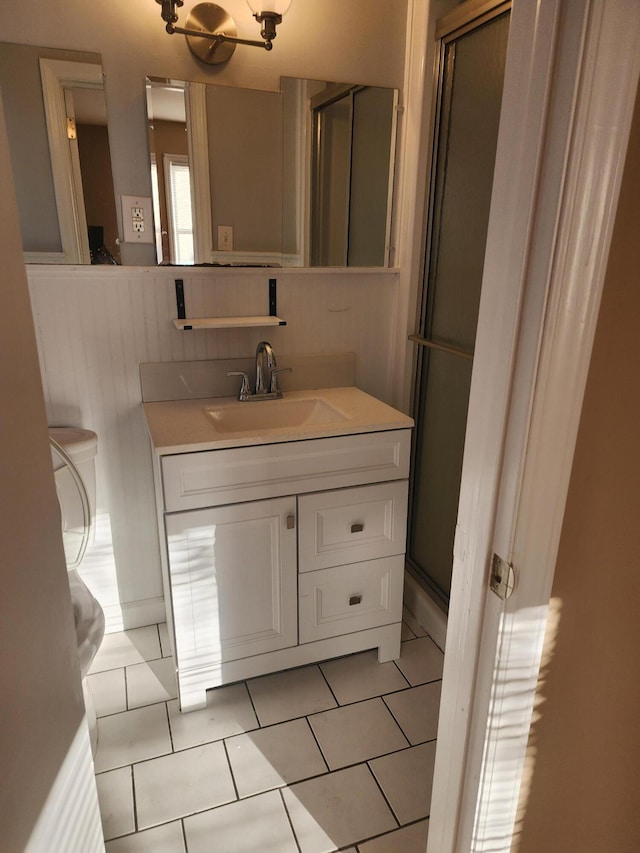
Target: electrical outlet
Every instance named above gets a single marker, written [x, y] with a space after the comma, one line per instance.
[225, 238]
[137, 219]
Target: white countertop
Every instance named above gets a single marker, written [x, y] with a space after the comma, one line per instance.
[183, 426]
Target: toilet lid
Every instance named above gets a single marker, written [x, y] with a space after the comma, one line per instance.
[76, 441]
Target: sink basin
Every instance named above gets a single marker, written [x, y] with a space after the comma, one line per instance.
[273, 414]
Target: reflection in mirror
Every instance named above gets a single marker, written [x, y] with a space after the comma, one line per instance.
[170, 172]
[229, 159]
[353, 131]
[58, 141]
[297, 178]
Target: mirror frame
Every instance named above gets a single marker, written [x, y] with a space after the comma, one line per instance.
[57, 75]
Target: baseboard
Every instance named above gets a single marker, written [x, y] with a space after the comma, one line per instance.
[134, 614]
[418, 602]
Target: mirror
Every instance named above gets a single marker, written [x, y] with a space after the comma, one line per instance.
[57, 129]
[302, 177]
[228, 189]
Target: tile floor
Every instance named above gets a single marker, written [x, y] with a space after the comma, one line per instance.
[335, 756]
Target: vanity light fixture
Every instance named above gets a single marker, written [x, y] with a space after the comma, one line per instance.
[211, 32]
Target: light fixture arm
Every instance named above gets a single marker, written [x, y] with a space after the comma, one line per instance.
[219, 38]
[215, 25]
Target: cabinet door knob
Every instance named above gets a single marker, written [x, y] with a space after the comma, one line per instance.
[291, 522]
[355, 599]
[357, 528]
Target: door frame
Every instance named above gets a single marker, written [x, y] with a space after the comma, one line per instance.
[58, 76]
[570, 84]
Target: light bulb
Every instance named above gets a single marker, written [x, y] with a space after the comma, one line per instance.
[262, 7]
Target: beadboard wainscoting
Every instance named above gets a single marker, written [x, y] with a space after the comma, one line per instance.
[94, 327]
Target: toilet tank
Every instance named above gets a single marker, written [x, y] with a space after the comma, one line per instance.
[77, 519]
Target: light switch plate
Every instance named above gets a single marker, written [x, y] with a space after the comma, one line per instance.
[225, 238]
[137, 219]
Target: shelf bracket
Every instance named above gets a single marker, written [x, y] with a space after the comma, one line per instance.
[183, 323]
[273, 297]
[273, 300]
[182, 310]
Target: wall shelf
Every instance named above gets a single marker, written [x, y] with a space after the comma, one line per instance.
[227, 322]
[185, 323]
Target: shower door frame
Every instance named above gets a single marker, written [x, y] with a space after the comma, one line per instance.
[553, 208]
[452, 27]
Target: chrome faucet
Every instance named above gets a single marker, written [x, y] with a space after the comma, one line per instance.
[264, 349]
[264, 353]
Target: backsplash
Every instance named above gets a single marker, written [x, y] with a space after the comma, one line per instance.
[94, 328]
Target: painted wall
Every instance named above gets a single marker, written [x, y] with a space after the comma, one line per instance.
[584, 749]
[95, 326]
[327, 40]
[245, 156]
[42, 708]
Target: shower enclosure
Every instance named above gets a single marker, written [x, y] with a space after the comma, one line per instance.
[471, 72]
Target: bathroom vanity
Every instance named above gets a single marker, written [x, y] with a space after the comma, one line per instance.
[284, 529]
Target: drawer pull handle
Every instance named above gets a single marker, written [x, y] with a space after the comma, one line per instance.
[291, 522]
[355, 599]
[357, 528]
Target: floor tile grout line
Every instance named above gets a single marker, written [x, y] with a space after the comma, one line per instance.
[138, 831]
[384, 705]
[389, 832]
[395, 663]
[123, 665]
[386, 799]
[230, 766]
[184, 835]
[398, 721]
[326, 681]
[313, 735]
[286, 811]
[253, 704]
[126, 689]
[371, 758]
[133, 794]
[166, 710]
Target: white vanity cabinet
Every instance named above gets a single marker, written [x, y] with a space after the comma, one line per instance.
[283, 554]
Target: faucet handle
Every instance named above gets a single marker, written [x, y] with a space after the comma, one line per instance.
[274, 388]
[245, 390]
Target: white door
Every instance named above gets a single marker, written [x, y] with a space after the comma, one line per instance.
[232, 571]
[572, 72]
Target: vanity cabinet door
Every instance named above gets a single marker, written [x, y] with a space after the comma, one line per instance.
[232, 572]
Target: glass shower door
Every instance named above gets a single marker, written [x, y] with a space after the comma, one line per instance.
[472, 72]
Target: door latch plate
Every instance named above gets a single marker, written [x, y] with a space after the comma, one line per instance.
[503, 578]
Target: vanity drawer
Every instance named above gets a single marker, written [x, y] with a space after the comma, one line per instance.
[215, 477]
[345, 599]
[351, 525]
